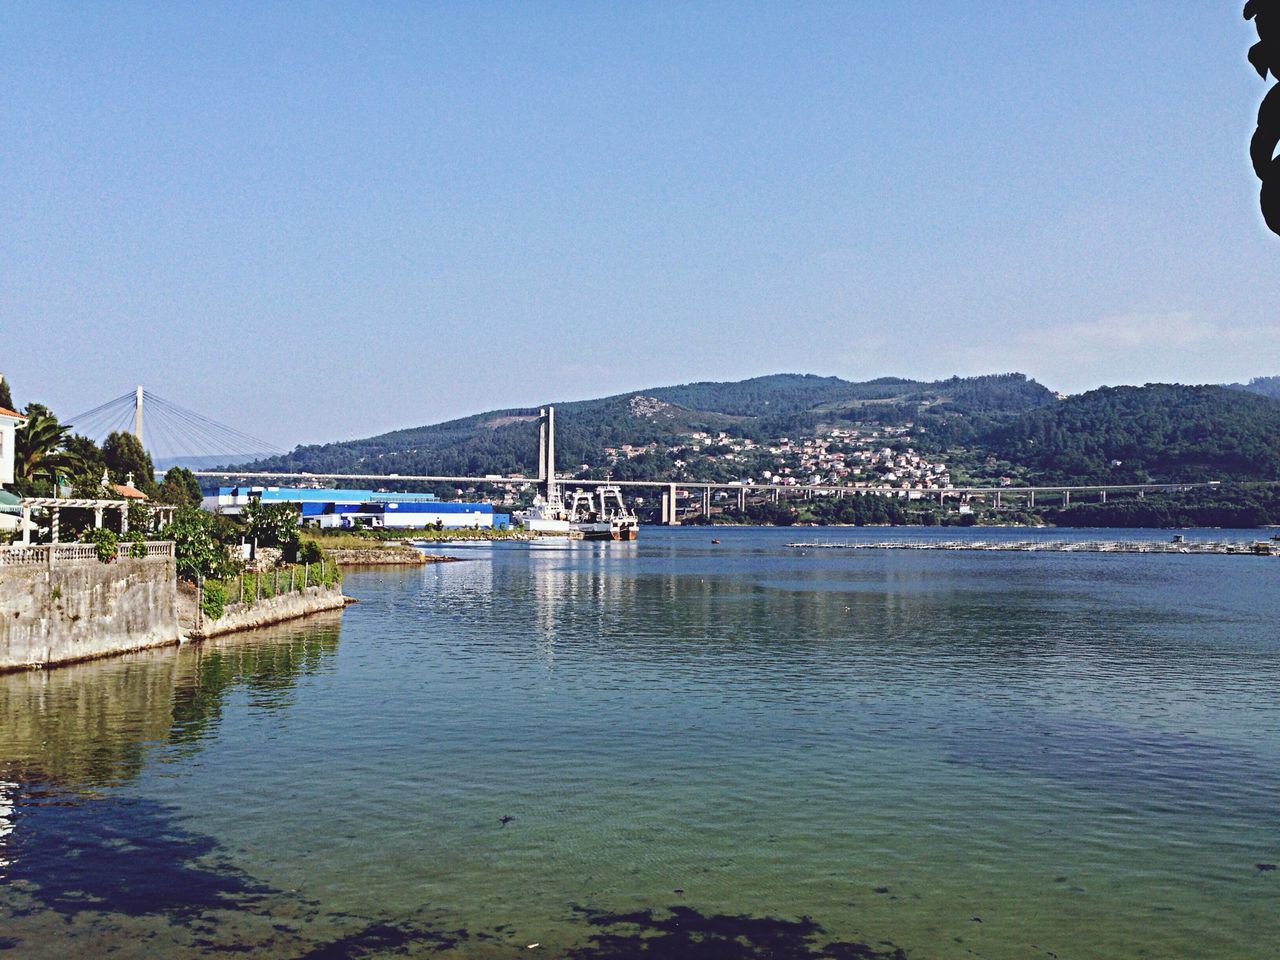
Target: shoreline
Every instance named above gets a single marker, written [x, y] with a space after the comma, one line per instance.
[383, 555]
[264, 612]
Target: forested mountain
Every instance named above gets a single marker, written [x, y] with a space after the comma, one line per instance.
[986, 427]
[1265, 386]
[505, 441]
[1135, 434]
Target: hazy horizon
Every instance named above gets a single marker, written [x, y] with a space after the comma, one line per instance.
[328, 223]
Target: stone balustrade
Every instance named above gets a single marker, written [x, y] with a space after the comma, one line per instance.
[52, 554]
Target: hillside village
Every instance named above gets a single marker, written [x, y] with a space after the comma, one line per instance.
[848, 456]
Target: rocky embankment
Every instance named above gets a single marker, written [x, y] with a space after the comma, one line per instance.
[383, 554]
[260, 613]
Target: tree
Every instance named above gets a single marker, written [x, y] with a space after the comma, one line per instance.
[6, 398]
[40, 452]
[86, 452]
[272, 524]
[1265, 57]
[125, 455]
[86, 479]
[197, 551]
[181, 487]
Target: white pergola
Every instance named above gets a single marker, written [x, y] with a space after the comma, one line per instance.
[55, 505]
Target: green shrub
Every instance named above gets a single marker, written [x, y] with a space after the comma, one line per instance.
[197, 552]
[139, 517]
[310, 552]
[105, 543]
[137, 544]
[213, 599]
[272, 524]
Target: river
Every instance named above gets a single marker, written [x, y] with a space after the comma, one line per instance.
[675, 748]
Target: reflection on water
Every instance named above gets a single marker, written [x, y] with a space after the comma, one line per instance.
[95, 724]
[104, 861]
[673, 749]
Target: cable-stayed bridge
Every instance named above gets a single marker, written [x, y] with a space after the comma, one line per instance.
[173, 434]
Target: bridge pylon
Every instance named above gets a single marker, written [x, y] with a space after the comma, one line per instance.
[547, 452]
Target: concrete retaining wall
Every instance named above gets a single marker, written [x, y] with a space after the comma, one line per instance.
[60, 613]
[261, 613]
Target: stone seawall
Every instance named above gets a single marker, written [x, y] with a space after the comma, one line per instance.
[379, 555]
[63, 612]
[266, 611]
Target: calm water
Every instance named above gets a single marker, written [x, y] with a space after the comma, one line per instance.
[720, 751]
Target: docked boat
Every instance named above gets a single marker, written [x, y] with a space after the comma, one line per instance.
[546, 516]
[602, 515]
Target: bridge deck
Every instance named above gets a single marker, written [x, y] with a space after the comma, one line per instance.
[707, 485]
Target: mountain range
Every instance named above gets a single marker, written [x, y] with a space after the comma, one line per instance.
[988, 426]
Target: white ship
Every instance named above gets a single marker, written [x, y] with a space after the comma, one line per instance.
[601, 515]
[546, 516]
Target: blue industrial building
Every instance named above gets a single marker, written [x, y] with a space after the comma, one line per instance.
[363, 508]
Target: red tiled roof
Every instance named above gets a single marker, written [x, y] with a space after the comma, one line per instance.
[128, 492]
[10, 413]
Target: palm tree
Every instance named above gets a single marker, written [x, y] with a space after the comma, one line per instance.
[39, 452]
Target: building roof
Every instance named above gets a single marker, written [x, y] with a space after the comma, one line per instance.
[319, 509]
[128, 492]
[11, 414]
[315, 495]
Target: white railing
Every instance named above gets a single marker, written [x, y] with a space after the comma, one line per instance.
[155, 548]
[23, 556]
[49, 554]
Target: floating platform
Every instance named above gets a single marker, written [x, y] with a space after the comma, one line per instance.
[1256, 548]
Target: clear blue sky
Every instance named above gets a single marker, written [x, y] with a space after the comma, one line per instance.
[317, 221]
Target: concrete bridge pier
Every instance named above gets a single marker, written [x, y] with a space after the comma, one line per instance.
[670, 511]
[742, 499]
